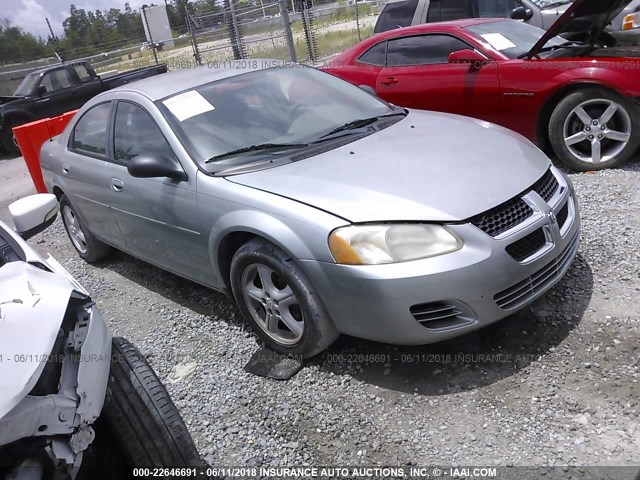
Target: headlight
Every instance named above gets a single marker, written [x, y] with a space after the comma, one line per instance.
[631, 21]
[378, 244]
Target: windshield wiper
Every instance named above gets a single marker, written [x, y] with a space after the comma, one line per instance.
[355, 124]
[256, 148]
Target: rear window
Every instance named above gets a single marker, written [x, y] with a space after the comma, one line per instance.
[395, 15]
[445, 10]
[376, 55]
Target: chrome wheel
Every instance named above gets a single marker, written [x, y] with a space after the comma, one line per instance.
[597, 131]
[75, 231]
[272, 304]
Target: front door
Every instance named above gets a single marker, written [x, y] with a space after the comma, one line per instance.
[418, 74]
[57, 95]
[157, 216]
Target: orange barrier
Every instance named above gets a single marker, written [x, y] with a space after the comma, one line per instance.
[30, 138]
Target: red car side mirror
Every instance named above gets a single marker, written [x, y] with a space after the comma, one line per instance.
[475, 59]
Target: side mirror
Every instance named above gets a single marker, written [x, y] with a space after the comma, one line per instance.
[521, 13]
[41, 91]
[33, 214]
[152, 166]
[475, 59]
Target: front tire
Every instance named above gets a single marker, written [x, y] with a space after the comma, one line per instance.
[278, 301]
[88, 247]
[140, 415]
[594, 129]
[8, 140]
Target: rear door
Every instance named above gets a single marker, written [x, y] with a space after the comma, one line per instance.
[88, 86]
[418, 74]
[84, 173]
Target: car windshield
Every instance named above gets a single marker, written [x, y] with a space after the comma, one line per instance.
[26, 86]
[544, 4]
[272, 109]
[514, 39]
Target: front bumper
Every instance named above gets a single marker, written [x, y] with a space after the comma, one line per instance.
[481, 282]
[82, 386]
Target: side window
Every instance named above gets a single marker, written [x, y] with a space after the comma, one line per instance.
[135, 133]
[422, 50]
[56, 80]
[496, 8]
[376, 55]
[83, 72]
[90, 133]
[444, 10]
[396, 14]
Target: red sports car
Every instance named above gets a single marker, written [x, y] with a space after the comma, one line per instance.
[570, 87]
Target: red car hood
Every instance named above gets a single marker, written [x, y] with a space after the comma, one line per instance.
[589, 16]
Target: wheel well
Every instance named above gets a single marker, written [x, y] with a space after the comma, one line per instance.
[57, 191]
[227, 249]
[17, 115]
[550, 105]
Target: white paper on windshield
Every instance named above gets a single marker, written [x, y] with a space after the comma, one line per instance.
[498, 41]
[187, 105]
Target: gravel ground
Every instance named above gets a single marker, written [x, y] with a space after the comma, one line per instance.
[556, 384]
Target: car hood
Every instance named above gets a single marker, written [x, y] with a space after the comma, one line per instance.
[589, 16]
[427, 167]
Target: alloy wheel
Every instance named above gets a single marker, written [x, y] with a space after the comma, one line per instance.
[272, 304]
[597, 131]
[75, 231]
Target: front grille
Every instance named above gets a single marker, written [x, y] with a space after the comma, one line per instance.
[527, 246]
[438, 315]
[547, 186]
[562, 216]
[503, 217]
[515, 211]
[537, 283]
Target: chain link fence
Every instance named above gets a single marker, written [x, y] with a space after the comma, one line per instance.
[307, 31]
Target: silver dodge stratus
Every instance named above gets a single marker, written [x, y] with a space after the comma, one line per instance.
[320, 208]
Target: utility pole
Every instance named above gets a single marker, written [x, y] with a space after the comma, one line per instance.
[53, 35]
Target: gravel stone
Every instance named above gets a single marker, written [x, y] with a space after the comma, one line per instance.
[560, 385]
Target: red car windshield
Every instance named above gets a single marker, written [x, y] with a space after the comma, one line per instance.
[513, 39]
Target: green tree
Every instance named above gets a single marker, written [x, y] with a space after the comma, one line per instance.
[19, 46]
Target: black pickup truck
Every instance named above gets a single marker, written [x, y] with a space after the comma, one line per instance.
[55, 90]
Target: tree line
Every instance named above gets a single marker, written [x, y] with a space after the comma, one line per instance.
[89, 32]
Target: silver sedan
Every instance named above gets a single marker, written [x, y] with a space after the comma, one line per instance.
[319, 208]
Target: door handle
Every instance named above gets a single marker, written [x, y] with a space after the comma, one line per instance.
[389, 81]
[65, 168]
[117, 184]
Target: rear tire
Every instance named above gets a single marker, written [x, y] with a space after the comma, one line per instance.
[585, 137]
[140, 415]
[88, 247]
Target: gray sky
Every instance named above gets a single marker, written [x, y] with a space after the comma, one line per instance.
[30, 14]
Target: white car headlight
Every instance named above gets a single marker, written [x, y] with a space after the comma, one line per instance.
[379, 244]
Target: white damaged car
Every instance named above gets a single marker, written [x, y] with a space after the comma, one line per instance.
[70, 395]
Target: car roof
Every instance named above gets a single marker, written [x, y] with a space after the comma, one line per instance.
[440, 26]
[170, 83]
[52, 66]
